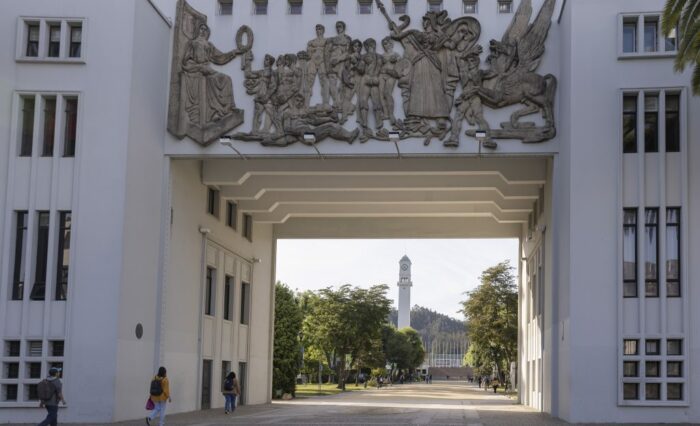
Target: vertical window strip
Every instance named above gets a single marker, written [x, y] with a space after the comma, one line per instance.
[673, 250]
[54, 49]
[32, 49]
[49, 125]
[70, 129]
[76, 40]
[228, 292]
[651, 252]
[63, 255]
[209, 292]
[27, 138]
[245, 302]
[42, 248]
[629, 123]
[20, 243]
[673, 125]
[651, 122]
[629, 253]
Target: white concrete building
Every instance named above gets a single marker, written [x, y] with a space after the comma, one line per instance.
[404, 284]
[123, 248]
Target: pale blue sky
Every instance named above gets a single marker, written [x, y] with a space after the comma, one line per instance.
[442, 270]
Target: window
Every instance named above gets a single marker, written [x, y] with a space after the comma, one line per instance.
[629, 124]
[674, 391]
[470, 6]
[10, 392]
[259, 7]
[674, 369]
[57, 348]
[231, 214]
[630, 368]
[11, 370]
[364, 7]
[32, 393]
[629, 253]
[32, 40]
[54, 40]
[630, 391]
[674, 347]
[434, 5]
[49, 124]
[245, 303]
[651, 252]
[505, 6]
[42, 247]
[209, 292]
[225, 7]
[652, 391]
[673, 249]
[25, 149]
[671, 41]
[652, 347]
[673, 124]
[248, 227]
[76, 40]
[20, 243]
[228, 297]
[12, 348]
[70, 129]
[400, 7]
[652, 369]
[651, 123]
[295, 7]
[33, 370]
[330, 7]
[213, 202]
[629, 35]
[63, 255]
[34, 348]
[651, 26]
[631, 347]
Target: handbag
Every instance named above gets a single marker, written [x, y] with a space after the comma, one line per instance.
[149, 404]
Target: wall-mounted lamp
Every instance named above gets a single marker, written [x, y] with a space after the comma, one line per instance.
[394, 136]
[227, 140]
[309, 138]
[255, 260]
[204, 231]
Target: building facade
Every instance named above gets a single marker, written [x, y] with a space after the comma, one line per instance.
[153, 152]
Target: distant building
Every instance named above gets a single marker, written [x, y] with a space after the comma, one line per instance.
[405, 285]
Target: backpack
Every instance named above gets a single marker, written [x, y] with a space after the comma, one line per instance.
[228, 384]
[45, 390]
[156, 387]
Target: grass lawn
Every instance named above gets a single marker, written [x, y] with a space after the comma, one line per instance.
[326, 389]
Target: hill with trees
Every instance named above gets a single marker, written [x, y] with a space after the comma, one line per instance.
[432, 326]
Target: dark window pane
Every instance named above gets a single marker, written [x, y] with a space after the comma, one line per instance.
[32, 40]
[651, 248]
[629, 253]
[652, 391]
[32, 394]
[505, 6]
[245, 302]
[295, 7]
[629, 124]
[434, 5]
[631, 347]
[33, 370]
[54, 41]
[209, 292]
[330, 7]
[49, 125]
[226, 7]
[25, 149]
[673, 124]
[629, 36]
[674, 369]
[213, 202]
[228, 296]
[76, 40]
[20, 242]
[11, 370]
[631, 369]
[652, 346]
[248, 227]
[34, 348]
[652, 369]
[231, 214]
[260, 7]
[399, 7]
[42, 246]
[674, 347]
[57, 348]
[63, 256]
[10, 392]
[70, 129]
[12, 347]
[651, 123]
[630, 391]
[650, 35]
[364, 7]
[674, 391]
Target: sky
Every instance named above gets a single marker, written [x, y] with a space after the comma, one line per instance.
[442, 270]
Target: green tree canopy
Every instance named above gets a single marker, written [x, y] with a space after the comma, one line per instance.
[683, 16]
[491, 311]
[287, 349]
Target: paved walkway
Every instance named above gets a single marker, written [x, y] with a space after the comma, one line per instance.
[440, 403]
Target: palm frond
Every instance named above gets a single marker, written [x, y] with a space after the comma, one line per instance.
[671, 15]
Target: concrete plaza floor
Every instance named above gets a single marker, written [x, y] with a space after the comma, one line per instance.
[440, 403]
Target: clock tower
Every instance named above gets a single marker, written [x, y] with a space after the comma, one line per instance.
[405, 285]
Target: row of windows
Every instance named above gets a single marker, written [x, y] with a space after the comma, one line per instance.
[40, 260]
[25, 373]
[49, 38]
[214, 207]
[641, 34]
[45, 112]
[651, 251]
[651, 116]
[655, 369]
[229, 289]
[364, 7]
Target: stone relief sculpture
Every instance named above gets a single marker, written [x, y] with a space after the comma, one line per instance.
[437, 72]
[201, 103]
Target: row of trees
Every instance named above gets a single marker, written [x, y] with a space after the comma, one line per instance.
[340, 330]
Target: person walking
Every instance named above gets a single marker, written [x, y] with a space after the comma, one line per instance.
[50, 392]
[159, 395]
[231, 391]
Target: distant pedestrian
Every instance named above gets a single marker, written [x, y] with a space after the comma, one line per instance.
[430, 378]
[479, 381]
[50, 392]
[231, 392]
[159, 395]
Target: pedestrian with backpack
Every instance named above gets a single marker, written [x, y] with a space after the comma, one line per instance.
[50, 393]
[231, 391]
[159, 395]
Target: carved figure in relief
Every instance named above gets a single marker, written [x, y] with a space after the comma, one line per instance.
[261, 84]
[302, 66]
[316, 50]
[350, 80]
[319, 121]
[337, 53]
[368, 69]
[388, 76]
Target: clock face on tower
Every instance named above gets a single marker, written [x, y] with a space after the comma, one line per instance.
[404, 267]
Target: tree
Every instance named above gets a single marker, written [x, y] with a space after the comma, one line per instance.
[403, 348]
[683, 17]
[287, 350]
[344, 324]
[491, 311]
